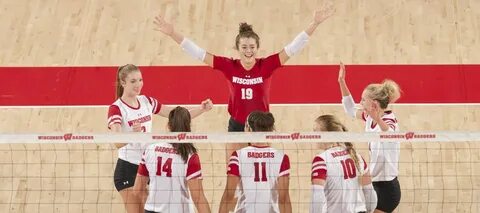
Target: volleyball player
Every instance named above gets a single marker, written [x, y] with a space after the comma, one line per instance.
[174, 172]
[384, 156]
[260, 172]
[132, 112]
[339, 174]
[248, 76]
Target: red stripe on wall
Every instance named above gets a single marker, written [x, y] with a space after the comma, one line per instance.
[191, 84]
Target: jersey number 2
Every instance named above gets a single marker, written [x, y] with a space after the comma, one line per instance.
[247, 93]
[257, 172]
[166, 167]
[349, 170]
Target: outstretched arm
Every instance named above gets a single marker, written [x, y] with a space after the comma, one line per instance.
[205, 106]
[187, 45]
[301, 40]
[347, 99]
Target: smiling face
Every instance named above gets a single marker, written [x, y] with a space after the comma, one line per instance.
[247, 50]
[133, 83]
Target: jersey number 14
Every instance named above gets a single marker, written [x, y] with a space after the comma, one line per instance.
[166, 167]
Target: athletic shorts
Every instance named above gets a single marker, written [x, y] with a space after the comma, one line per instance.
[234, 126]
[124, 175]
[388, 193]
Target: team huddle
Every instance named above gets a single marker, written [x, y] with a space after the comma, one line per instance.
[167, 177]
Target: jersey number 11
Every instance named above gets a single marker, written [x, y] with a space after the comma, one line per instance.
[263, 166]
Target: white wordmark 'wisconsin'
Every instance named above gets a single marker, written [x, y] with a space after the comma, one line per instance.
[244, 81]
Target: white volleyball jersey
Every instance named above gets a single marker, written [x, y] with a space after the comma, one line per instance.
[168, 173]
[259, 169]
[125, 115]
[384, 156]
[343, 190]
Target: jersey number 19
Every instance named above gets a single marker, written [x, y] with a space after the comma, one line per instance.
[247, 93]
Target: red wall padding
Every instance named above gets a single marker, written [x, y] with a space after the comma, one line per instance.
[191, 84]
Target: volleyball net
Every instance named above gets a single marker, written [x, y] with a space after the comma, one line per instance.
[73, 172]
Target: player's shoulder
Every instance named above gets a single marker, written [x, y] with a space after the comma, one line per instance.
[144, 98]
[325, 153]
[120, 104]
[242, 151]
[239, 151]
[149, 149]
[193, 155]
[225, 59]
[116, 103]
[278, 151]
[269, 57]
[388, 114]
[321, 156]
[115, 108]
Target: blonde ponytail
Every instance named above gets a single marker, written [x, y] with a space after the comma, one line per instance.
[385, 93]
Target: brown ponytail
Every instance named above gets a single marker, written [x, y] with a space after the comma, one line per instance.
[179, 120]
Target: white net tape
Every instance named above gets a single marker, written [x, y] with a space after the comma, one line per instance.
[269, 137]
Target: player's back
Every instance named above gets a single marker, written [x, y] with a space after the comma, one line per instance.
[259, 169]
[168, 173]
[342, 188]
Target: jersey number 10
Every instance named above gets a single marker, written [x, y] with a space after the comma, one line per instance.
[247, 93]
[349, 170]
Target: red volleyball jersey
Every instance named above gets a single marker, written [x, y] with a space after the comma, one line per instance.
[249, 89]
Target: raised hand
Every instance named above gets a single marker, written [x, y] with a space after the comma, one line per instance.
[323, 13]
[163, 26]
[341, 73]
